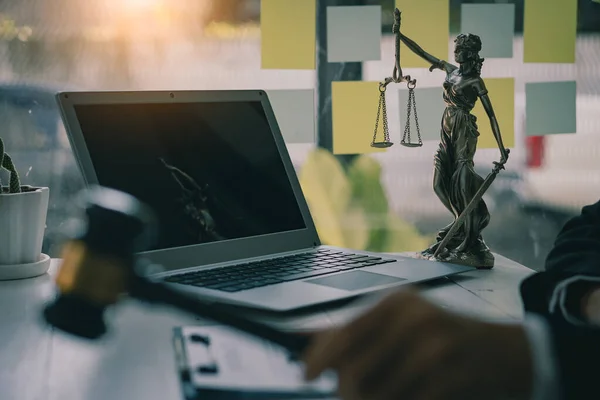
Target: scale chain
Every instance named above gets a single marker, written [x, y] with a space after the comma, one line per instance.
[414, 103]
[411, 107]
[377, 119]
[407, 126]
[382, 109]
[386, 130]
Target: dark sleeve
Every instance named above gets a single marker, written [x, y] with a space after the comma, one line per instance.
[577, 352]
[576, 251]
[577, 247]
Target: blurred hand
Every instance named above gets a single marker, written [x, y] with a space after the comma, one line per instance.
[408, 348]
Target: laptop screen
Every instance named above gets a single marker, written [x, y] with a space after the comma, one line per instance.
[211, 171]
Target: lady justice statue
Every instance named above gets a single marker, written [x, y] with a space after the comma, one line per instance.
[455, 181]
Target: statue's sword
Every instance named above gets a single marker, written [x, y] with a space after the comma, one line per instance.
[462, 217]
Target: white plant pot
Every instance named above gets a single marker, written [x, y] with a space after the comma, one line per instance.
[22, 226]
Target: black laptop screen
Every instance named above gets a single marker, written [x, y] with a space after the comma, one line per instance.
[211, 171]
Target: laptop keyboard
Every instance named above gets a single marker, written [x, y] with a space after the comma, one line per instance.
[235, 278]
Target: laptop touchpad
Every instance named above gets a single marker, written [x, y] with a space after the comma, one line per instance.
[355, 280]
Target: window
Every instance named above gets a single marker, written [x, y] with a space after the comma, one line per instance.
[204, 44]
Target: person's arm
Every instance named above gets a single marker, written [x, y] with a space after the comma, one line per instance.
[571, 283]
[482, 93]
[434, 61]
[576, 250]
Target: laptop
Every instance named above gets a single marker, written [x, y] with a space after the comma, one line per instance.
[234, 223]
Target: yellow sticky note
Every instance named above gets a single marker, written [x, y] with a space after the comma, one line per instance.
[354, 113]
[549, 31]
[502, 95]
[427, 22]
[288, 34]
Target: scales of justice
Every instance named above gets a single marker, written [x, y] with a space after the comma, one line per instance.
[455, 182]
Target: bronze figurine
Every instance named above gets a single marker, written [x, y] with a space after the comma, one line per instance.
[455, 182]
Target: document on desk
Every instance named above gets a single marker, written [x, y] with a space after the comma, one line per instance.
[219, 362]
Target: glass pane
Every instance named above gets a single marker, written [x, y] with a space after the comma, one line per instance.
[204, 44]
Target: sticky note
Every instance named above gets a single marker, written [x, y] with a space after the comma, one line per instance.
[353, 33]
[494, 24]
[288, 34]
[502, 96]
[549, 31]
[550, 108]
[295, 114]
[354, 112]
[427, 22]
[430, 109]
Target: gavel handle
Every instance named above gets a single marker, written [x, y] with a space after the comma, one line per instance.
[159, 293]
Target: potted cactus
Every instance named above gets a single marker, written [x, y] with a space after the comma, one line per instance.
[23, 212]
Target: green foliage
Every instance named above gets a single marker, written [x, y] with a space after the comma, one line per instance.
[364, 175]
[350, 208]
[6, 163]
[338, 219]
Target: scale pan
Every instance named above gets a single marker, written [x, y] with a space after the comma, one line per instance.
[412, 144]
[382, 145]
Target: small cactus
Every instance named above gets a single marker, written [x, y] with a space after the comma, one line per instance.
[7, 164]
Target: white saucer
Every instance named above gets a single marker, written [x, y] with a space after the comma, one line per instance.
[22, 271]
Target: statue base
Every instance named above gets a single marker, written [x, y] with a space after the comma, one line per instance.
[477, 258]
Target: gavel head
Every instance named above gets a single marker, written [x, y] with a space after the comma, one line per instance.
[98, 262]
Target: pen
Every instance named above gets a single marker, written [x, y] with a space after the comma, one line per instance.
[222, 313]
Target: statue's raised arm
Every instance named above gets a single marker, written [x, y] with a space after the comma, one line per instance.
[435, 62]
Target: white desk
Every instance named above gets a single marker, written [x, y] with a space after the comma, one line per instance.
[136, 360]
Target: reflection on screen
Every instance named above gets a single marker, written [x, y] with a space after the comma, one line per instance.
[211, 171]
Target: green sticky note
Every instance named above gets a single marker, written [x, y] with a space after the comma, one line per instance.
[295, 114]
[353, 33]
[288, 34]
[501, 92]
[551, 108]
[430, 109]
[494, 24]
[354, 112]
[427, 22]
[549, 31]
